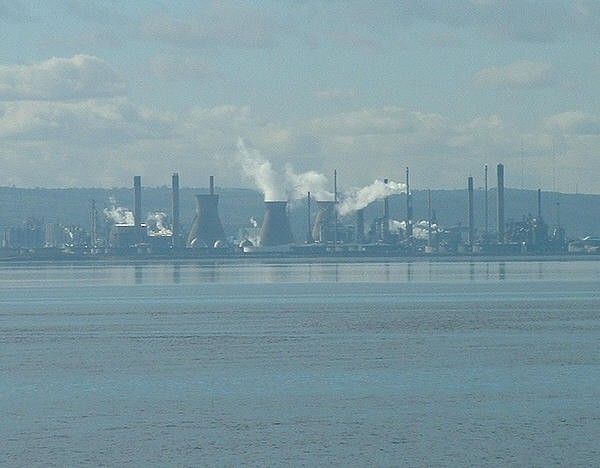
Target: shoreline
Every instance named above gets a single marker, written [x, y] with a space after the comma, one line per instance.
[292, 259]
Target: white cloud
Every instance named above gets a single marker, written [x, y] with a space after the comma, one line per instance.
[102, 122]
[105, 142]
[573, 123]
[523, 74]
[78, 77]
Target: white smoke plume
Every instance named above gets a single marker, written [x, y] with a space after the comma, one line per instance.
[117, 214]
[420, 228]
[156, 224]
[298, 185]
[257, 168]
[358, 199]
[280, 187]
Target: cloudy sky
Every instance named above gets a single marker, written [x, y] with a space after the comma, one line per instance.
[92, 93]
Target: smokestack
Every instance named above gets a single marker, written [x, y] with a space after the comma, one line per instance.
[429, 217]
[486, 203]
[309, 237]
[539, 203]
[409, 225]
[500, 194]
[137, 196]
[206, 227]
[335, 211]
[276, 228]
[211, 184]
[94, 224]
[386, 215]
[175, 207]
[471, 224]
[360, 226]
[323, 230]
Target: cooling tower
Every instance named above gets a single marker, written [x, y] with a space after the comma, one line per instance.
[276, 228]
[137, 196]
[500, 194]
[323, 230]
[206, 227]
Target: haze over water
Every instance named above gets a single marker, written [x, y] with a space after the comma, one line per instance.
[280, 363]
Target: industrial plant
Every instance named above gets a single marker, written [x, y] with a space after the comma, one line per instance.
[332, 227]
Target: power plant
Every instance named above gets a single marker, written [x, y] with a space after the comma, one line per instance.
[327, 233]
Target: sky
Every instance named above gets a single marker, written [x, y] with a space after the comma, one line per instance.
[92, 93]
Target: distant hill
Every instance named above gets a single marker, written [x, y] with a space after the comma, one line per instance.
[578, 214]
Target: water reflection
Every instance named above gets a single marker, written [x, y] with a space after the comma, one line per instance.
[238, 272]
[138, 274]
[176, 273]
[502, 271]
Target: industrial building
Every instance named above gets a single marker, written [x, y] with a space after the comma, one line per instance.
[326, 232]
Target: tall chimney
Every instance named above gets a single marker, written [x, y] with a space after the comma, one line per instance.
[471, 224]
[211, 184]
[386, 216]
[206, 227]
[409, 214]
[323, 230]
[500, 194]
[175, 207]
[94, 224]
[137, 196]
[429, 217]
[486, 210]
[309, 236]
[539, 202]
[335, 211]
[276, 229]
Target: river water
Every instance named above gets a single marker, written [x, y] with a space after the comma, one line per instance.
[297, 363]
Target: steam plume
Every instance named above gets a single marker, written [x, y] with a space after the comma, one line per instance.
[156, 223]
[117, 214]
[278, 187]
[359, 199]
[257, 168]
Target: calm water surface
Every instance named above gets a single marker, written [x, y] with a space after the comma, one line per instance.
[368, 364]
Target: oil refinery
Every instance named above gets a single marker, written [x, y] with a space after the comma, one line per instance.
[331, 227]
